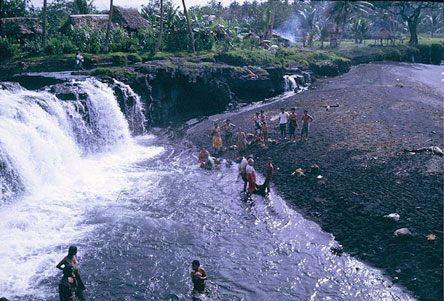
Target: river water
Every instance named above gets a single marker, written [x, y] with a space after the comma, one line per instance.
[140, 210]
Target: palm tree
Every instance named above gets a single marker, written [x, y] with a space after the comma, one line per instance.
[159, 39]
[360, 27]
[341, 11]
[108, 27]
[45, 8]
[189, 25]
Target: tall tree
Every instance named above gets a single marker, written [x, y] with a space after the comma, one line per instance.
[189, 25]
[44, 11]
[108, 27]
[341, 11]
[410, 12]
[159, 39]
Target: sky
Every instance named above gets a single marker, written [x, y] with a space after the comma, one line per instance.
[104, 4]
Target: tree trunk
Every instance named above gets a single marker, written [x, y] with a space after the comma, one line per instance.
[108, 27]
[189, 26]
[44, 38]
[159, 40]
[273, 14]
[413, 34]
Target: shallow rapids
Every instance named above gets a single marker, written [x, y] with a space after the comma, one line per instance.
[141, 210]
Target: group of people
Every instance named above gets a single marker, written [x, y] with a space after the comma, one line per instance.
[226, 130]
[289, 121]
[248, 175]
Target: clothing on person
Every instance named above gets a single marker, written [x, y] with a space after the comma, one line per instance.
[241, 143]
[79, 61]
[251, 178]
[269, 172]
[198, 282]
[283, 119]
[228, 132]
[74, 265]
[257, 124]
[67, 289]
[304, 130]
[217, 140]
[292, 125]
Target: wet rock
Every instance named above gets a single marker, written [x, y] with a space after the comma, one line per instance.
[393, 216]
[402, 232]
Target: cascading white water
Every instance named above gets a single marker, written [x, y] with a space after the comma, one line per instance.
[58, 159]
[290, 83]
[132, 107]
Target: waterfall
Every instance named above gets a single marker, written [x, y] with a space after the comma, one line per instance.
[290, 83]
[131, 106]
[42, 138]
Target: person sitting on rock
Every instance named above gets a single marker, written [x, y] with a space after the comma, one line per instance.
[204, 158]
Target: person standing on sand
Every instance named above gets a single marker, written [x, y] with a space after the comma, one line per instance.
[71, 261]
[283, 118]
[306, 120]
[198, 276]
[217, 140]
[79, 60]
[228, 128]
[257, 124]
[265, 133]
[241, 142]
[251, 176]
[292, 124]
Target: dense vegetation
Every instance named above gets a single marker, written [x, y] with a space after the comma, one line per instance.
[251, 33]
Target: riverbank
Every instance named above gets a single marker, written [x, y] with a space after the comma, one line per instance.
[366, 174]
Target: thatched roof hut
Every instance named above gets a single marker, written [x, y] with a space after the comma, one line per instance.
[81, 21]
[129, 18]
[19, 27]
[381, 33]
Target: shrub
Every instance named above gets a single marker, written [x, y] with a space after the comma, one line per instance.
[147, 39]
[424, 54]
[119, 59]
[436, 53]
[60, 45]
[7, 48]
[134, 58]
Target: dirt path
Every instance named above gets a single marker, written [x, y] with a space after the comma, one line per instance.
[366, 174]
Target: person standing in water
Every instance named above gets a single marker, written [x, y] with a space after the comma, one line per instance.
[251, 176]
[68, 284]
[71, 260]
[198, 276]
[306, 120]
[217, 140]
[243, 171]
[269, 172]
[204, 158]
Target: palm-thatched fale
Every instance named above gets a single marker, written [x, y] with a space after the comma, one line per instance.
[129, 18]
[19, 27]
[99, 22]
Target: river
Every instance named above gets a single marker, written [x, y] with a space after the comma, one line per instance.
[140, 210]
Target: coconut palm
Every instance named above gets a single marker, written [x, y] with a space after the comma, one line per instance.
[341, 11]
[360, 27]
[108, 28]
[44, 11]
[185, 12]
[159, 40]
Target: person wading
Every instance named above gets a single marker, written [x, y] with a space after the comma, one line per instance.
[241, 142]
[269, 172]
[228, 128]
[198, 276]
[68, 284]
[251, 176]
[71, 260]
[243, 171]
